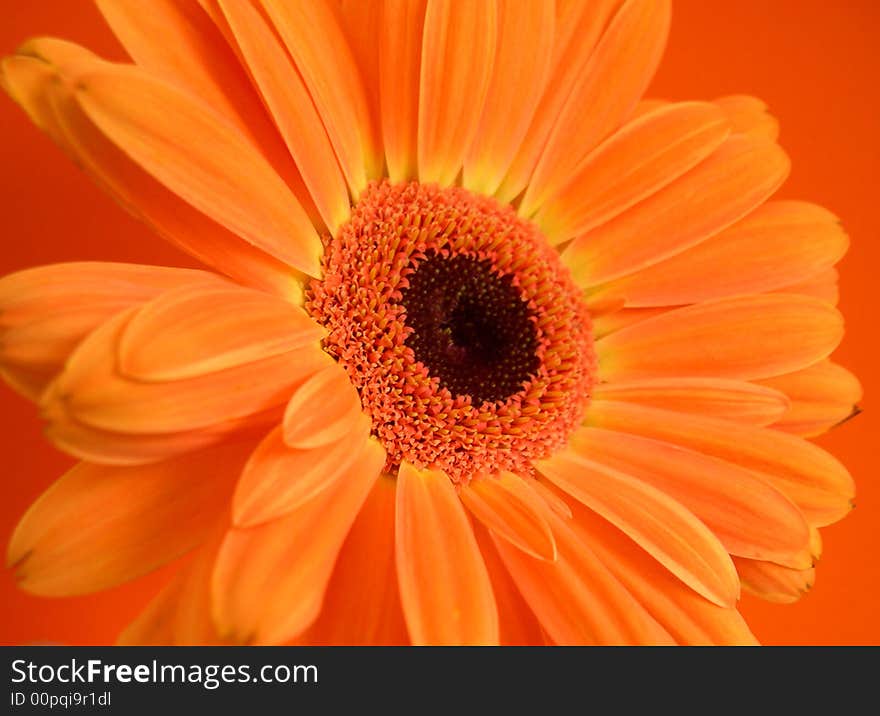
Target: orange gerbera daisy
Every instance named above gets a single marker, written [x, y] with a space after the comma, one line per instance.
[496, 351]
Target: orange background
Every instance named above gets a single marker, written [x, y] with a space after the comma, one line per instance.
[816, 64]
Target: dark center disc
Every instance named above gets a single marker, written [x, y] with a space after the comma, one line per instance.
[470, 326]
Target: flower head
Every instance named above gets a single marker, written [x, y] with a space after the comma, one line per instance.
[488, 348]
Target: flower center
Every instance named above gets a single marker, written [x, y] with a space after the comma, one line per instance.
[470, 327]
[466, 337]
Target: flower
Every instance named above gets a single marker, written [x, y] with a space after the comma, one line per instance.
[491, 350]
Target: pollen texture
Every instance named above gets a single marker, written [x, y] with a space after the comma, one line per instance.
[466, 337]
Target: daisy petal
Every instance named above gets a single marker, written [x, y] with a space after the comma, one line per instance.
[688, 617]
[645, 106]
[133, 188]
[269, 580]
[604, 324]
[811, 478]
[278, 479]
[577, 29]
[204, 160]
[444, 587]
[316, 42]
[750, 517]
[177, 41]
[603, 96]
[400, 51]
[738, 177]
[140, 518]
[523, 54]
[660, 525]
[551, 499]
[27, 81]
[778, 244]
[458, 48]
[823, 285]
[821, 396]
[749, 115]
[362, 22]
[362, 604]
[731, 399]
[517, 624]
[92, 391]
[325, 408]
[505, 504]
[633, 163]
[577, 599]
[180, 615]
[773, 582]
[107, 447]
[45, 312]
[191, 331]
[287, 99]
[742, 338]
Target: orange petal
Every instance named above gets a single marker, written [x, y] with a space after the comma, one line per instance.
[325, 408]
[192, 331]
[362, 22]
[779, 244]
[458, 48]
[46, 311]
[823, 285]
[505, 504]
[642, 157]
[773, 582]
[577, 29]
[178, 42]
[614, 320]
[91, 390]
[288, 101]
[362, 604]
[660, 525]
[320, 50]
[138, 518]
[688, 617]
[269, 580]
[26, 80]
[738, 177]
[180, 615]
[278, 479]
[821, 396]
[444, 587]
[811, 478]
[551, 499]
[517, 624]
[603, 96]
[107, 447]
[648, 105]
[132, 187]
[201, 158]
[749, 517]
[742, 338]
[577, 599]
[400, 52]
[749, 115]
[815, 543]
[731, 399]
[523, 53]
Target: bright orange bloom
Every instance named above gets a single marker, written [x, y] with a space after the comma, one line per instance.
[488, 350]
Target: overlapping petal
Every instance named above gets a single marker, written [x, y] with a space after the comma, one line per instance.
[45, 312]
[269, 580]
[98, 526]
[444, 586]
